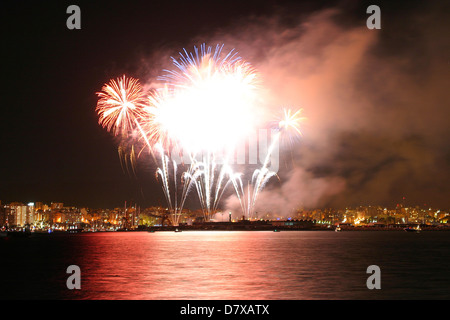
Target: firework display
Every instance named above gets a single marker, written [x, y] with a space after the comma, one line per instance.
[204, 109]
[121, 103]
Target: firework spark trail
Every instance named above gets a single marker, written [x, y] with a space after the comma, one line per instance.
[259, 179]
[210, 186]
[236, 180]
[289, 125]
[126, 155]
[187, 180]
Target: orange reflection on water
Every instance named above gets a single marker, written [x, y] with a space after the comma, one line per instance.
[196, 265]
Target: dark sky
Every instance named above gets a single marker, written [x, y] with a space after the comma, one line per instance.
[51, 144]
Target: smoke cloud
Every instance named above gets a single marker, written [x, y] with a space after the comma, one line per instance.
[376, 105]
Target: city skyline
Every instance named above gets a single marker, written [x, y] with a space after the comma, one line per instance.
[400, 202]
[376, 148]
[41, 215]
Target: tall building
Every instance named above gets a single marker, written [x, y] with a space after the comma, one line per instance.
[30, 218]
[39, 206]
[135, 216]
[7, 218]
[3, 216]
[19, 211]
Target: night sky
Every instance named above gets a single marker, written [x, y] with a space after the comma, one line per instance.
[53, 149]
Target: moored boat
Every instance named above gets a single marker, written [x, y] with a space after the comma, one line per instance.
[416, 229]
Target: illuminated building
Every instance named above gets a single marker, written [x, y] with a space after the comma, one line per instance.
[19, 211]
[39, 206]
[56, 205]
[4, 212]
[30, 213]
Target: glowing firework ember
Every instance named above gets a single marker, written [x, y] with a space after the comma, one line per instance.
[291, 121]
[121, 103]
[210, 101]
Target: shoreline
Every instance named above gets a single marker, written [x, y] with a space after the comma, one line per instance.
[266, 228]
[245, 225]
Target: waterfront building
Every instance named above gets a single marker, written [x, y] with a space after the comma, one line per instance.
[19, 212]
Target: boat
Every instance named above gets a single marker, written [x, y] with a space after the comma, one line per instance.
[416, 229]
[338, 229]
[77, 230]
[276, 230]
[177, 230]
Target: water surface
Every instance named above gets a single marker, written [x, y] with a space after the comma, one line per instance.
[235, 265]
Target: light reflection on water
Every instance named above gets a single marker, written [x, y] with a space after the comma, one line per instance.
[238, 265]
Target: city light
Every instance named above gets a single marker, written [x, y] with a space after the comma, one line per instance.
[16, 215]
